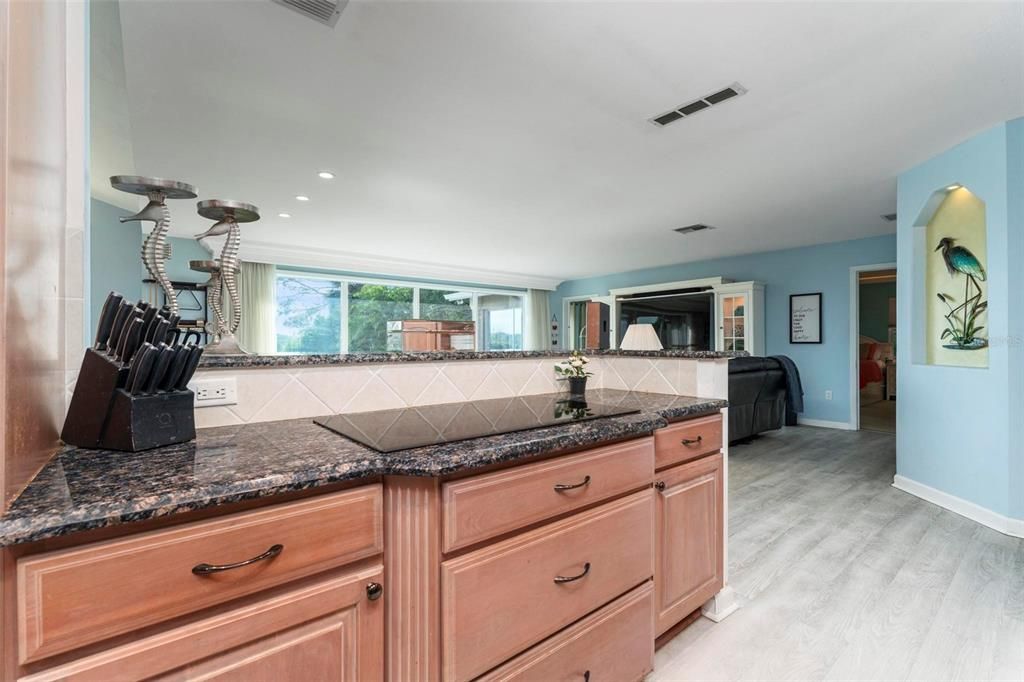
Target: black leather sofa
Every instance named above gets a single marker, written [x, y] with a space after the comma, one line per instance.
[757, 397]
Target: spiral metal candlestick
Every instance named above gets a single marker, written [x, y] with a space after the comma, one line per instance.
[155, 249]
[228, 215]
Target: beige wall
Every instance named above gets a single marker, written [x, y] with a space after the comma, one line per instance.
[302, 392]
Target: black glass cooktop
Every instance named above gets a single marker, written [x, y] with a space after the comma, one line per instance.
[413, 427]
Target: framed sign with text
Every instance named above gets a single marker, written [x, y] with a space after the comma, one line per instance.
[805, 318]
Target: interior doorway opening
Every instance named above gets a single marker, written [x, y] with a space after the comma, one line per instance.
[875, 334]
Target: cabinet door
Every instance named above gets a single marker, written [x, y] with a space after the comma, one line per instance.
[689, 544]
[732, 329]
[329, 631]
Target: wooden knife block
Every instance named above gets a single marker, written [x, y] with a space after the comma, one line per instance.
[101, 415]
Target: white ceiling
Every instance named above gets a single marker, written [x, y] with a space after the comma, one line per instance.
[513, 136]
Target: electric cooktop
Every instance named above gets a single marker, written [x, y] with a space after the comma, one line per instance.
[413, 427]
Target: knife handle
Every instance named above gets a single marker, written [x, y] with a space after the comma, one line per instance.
[106, 322]
[178, 363]
[133, 337]
[133, 371]
[190, 368]
[123, 311]
[160, 365]
[145, 367]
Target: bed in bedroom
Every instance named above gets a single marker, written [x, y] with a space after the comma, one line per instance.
[875, 360]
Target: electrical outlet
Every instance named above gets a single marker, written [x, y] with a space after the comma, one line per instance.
[828, 395]
[211, 392]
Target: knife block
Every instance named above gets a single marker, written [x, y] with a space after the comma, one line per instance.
[141, 422]
[101, 415]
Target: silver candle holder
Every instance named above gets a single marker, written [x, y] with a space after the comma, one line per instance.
[155, 249]
[228, 215]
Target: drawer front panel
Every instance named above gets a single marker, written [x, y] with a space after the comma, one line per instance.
[74, 597]
[329, 630]
[500, 600]
[615, 644]
[687, 440]
[485, 506]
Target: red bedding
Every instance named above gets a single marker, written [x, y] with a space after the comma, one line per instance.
[870, 372]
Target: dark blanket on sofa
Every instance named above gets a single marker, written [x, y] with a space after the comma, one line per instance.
[794, 389]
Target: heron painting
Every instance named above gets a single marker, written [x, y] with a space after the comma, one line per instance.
[962, 321]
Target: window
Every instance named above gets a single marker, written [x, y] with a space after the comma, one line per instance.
[501, 321]
[370, 308]
[322, 314]
[308, 315]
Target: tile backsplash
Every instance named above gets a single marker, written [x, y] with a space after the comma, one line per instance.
[302, 392]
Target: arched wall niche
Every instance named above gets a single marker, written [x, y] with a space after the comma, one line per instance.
[951, 287]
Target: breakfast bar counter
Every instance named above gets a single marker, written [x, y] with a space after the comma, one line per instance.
[80, 490]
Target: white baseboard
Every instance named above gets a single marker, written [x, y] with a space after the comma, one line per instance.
[958, 505]
[824, 423]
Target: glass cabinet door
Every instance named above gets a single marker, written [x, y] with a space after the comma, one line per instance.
[734, 322]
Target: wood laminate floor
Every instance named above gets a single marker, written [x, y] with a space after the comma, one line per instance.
[843, 577]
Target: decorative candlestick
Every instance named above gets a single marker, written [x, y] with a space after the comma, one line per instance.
[215, 326]
[155, 249]
[228, 215]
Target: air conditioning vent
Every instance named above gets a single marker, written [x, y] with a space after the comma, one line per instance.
[698, 227]
[891, 217]
[698, 105]
[323, 11]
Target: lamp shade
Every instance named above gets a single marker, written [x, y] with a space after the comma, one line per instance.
[640, 337]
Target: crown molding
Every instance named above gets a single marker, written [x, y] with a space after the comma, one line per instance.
[343, 261]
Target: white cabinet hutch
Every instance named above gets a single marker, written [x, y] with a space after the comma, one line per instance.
[739, 317]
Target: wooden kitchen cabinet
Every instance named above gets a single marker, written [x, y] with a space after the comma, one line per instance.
[689, 546]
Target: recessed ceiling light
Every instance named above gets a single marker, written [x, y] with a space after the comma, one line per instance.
[954, 186]
[301, 197]
[326, 175]
[284, 215]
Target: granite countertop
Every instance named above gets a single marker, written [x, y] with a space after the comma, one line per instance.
[293, 360]
[80, 490]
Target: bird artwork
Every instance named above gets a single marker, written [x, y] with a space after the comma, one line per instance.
[962, 320]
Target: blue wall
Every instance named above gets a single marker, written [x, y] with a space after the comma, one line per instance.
[955, 423]
[115, 263]
[824, 268]
[874, 309]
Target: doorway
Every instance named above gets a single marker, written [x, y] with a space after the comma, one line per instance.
[873, 313]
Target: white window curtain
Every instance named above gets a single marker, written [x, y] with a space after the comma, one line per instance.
[257, 286]
[538, 320]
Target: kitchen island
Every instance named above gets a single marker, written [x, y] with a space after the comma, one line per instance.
[304, 549]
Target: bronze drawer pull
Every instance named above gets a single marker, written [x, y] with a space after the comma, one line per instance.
[559, 487]
[586, 676]
[559, 579]
[374, 591]
[692, 441]
[207, 569]
[660, 486]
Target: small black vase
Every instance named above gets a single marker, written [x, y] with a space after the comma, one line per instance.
[577, 385]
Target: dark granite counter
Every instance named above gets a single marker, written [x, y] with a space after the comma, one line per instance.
[84, 489]
[244, 361]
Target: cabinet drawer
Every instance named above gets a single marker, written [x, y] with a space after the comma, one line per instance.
[497, 601]
[687, 440]
[329, 631]
[615, 644]
[484, 506]
[73, 597]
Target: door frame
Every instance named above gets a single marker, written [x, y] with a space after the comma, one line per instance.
[567, 330]
[854, 338]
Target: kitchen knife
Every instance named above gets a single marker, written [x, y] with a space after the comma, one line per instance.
[107, 315]
[143, 305]
[159, 368]
[181, 355]
[123, 336]
[133, 371]
[158, 332]
[148, 318]
[190, 368]
[133, 337]
[123, 311]
[144, 370]
[172, 328]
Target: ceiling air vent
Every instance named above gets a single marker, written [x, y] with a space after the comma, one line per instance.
[697, 105]
[891, 217]
[698, 227]
[323, 11]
